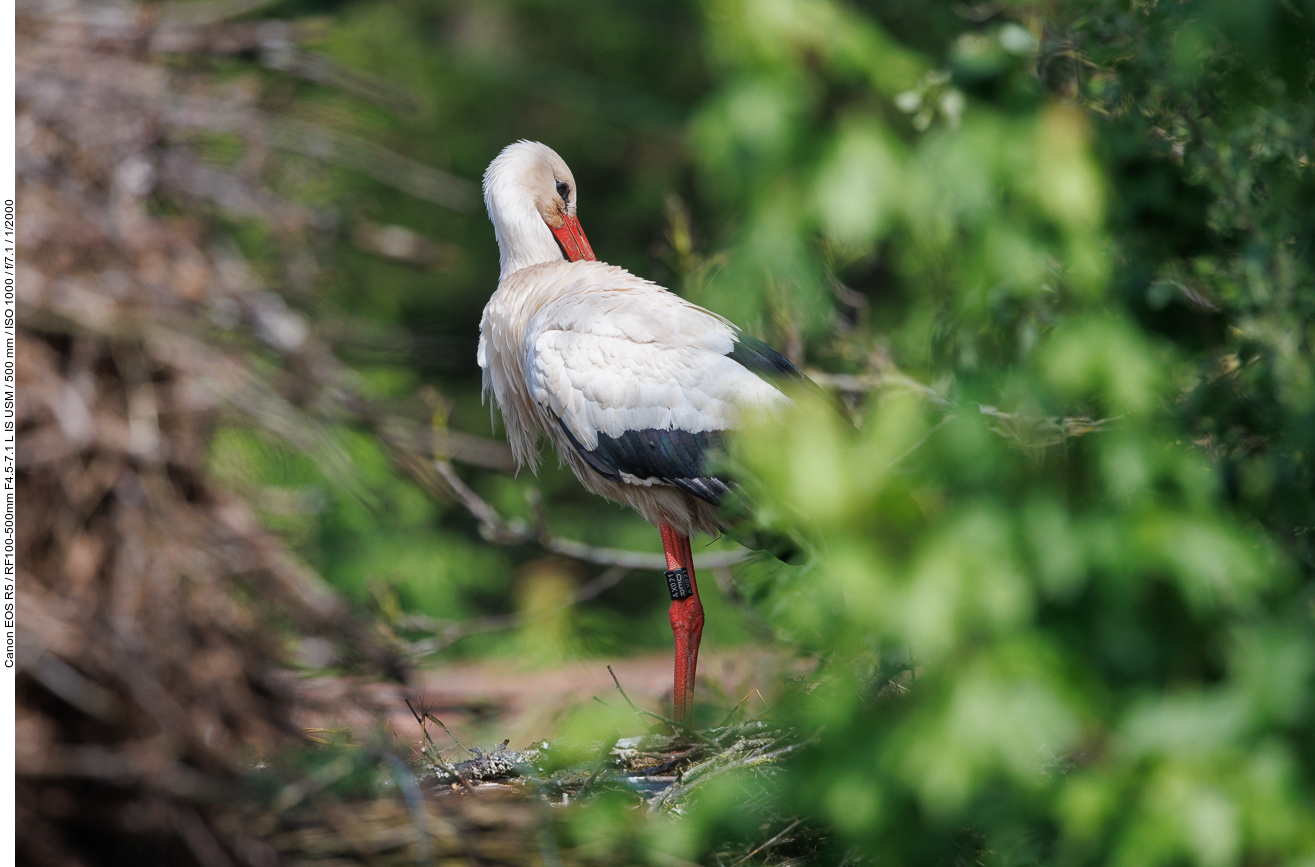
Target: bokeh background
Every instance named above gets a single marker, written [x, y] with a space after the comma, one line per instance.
[1050, 263]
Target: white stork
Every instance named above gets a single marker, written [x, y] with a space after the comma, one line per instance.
[630, 382]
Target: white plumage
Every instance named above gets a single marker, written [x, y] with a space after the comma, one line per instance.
[595, 349]
[630, 383]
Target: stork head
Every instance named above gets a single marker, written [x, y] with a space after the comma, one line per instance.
[531, 198]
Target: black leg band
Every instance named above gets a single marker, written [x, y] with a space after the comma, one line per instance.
[679, 585]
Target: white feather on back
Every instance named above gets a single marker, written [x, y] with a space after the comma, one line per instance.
[606, 352]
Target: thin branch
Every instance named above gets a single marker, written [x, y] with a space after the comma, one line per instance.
[620, 690]
[771, 842]
[436, 755]
[447, 635]
[739, 703]
[420, 718]
[495, 528]
[380, 163]
[601, 764]
[1028, 431]
[491, 522]
[754, 758]
[635, 559]
[1034, 431]
[429, 715]
[210, 11]
[335, 147]
[921, 440]
[877, 381]
[639, 711]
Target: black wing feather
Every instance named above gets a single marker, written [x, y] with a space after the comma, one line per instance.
[753, 354]
[676, 457]
[759, 358]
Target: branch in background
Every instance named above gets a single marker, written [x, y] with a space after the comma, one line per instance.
[1040, 431]
[921, 440]
[878, 380]
[447, 633]
[210, 11]
[438, 477]
[771, 842]
[495, 528]
[403, 244]
[184, 173]
[374, 161]
[328, 145]
[194, 28]
[1028, 431]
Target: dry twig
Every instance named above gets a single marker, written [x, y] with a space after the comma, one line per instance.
[497, 529]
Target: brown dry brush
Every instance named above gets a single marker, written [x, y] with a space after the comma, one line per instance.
[154, 612]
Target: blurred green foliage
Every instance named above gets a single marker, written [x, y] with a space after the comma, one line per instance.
[1059, 592]
[1101, 644]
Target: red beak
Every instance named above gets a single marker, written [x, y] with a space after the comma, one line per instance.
[573, 241]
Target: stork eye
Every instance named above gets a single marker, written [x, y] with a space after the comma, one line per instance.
[564, 190]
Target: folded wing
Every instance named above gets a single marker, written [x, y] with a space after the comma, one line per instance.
[642, 383]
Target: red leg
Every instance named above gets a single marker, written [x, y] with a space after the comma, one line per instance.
[686, 622]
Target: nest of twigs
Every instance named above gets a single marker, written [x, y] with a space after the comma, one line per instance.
[512, 806]
[660, 770]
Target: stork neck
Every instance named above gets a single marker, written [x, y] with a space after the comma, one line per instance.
[524, 239]
[531, 244]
